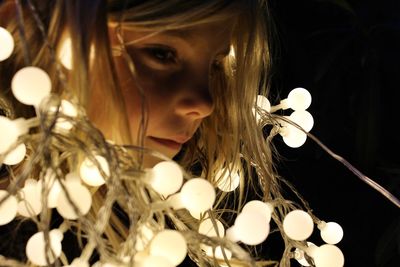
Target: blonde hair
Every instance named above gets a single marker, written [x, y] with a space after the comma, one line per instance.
[228, 139]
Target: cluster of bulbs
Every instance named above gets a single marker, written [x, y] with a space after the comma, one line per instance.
[71, 196]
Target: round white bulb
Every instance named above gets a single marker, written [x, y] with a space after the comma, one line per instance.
[90, 174]
[169, 244]
[227, 181]
[68, 109]
[36, 248]
[166, 177]
[328, 256]
[79, 195]
[260, 207]
[294, 137]
[299, 99]
[8, 209]
[251, 228]
[143, 238]
[7, 44]
[298, 225]
[303, 118]
[263, 103]
[299, 254]
[30, 85]
[331, 233]
[30, 195]
[218, 254]
[53, 186]
[16, 155]
[206, 227]
[9, 134]
[153, 261]
[197, 195]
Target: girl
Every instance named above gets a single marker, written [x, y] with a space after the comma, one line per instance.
[161, 80]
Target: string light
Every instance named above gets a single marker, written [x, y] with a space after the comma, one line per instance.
[7, 44]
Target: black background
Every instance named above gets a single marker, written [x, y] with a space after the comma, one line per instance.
[347, 54]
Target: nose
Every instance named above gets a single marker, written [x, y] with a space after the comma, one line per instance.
[195, 103]
[195, 100]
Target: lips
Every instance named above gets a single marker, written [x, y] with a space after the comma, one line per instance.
[175, 144]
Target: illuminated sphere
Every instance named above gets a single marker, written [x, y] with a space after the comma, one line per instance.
[328, 256]
[197, 195]
[295, 138]
[153, 261]
[206, 227]
[217, 253]
[166, 177]
[144, 236]
[299, 254]
[16, 155]
[53, 187]
[169, 244]
[263, 103]
[227, 182]
[90, 174]
[251, 227]
[299, 99]
[8, 208]
[30, 85]
[7, 44]
[260, 207]
[298, 225]
[68, 109]
[332, 233]
[303, 118]
[9, 133]
[30, 204]
[79, 195]
[36, 248]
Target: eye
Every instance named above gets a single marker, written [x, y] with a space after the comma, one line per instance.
[162, 54]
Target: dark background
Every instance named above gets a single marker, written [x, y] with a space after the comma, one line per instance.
[347, 54]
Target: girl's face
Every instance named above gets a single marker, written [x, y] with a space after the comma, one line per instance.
[173, 69]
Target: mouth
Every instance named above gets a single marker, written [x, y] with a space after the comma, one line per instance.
[172, 144]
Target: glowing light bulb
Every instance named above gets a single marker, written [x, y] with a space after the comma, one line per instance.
[291, 135]
[169, 244]
[68, 109]
[197, 195]
[30, 195]
[263, 103]
[16, 155]
[299, 99]
[166, 177]
[79, 195]
[299, 254]
[36, 249]
[8, 209]
[145, 235]
[7, 44]
[206, 227]
[303, 118]
[227, 181]
[90, 174]
[331, 232]
[298, 225]
[328, 256]
[152, 261]
[260, 207]
[53, 186]
[9, 134]
[217, 253]
[250, 227]
[30, 85]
